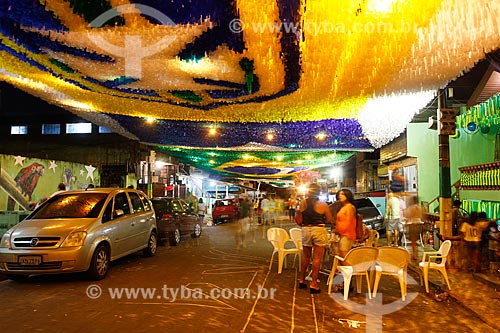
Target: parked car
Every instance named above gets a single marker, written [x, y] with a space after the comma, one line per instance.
[175, 218]
[372, 217]
[83, 230]
[225, 210]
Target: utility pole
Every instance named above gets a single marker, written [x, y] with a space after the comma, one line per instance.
[446, 127]
[151, 170]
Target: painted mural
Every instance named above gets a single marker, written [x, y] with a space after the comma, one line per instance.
[24, 181]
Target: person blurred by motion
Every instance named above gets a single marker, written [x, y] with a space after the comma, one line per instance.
[471, 234]
[202, 210]
[414, 215]
[256, 211]
[292, 203]
[265, 206]
[494, 246]
[456, 217]
[272, 210]
[243, 223]
[392, 217]
[315, 214]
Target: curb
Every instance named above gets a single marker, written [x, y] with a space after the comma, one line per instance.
[479, 277]
[492, 282]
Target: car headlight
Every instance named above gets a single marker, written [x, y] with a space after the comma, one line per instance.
[5, 242]
[75, 239]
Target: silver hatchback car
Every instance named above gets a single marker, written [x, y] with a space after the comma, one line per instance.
[77, 231]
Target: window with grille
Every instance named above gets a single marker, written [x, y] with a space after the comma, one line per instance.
[51, 129]
[103, 129]
[19, 129]
[78, 128]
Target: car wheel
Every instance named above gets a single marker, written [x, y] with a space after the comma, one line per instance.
[99, 265]
[175, 237]
[16, 277]
[150, 251]
[197, 231]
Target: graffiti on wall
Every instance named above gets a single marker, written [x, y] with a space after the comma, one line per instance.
[25, 181]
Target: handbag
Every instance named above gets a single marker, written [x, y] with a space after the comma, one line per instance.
[298, 218]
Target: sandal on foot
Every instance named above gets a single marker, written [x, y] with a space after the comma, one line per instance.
[302, 285]
[314, 290]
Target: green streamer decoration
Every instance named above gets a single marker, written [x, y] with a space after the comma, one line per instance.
[187, 95]
[485, 115]
[62, 65]
[248, 66]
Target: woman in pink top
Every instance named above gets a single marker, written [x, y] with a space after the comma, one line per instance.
[346, 222]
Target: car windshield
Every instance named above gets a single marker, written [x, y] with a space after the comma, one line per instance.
[227, 202]
[71, 205]
[366, 207]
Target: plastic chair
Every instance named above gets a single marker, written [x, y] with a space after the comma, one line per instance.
[392, 261]
[279, 237]
[357, 262]
[296, 236]
[373, 237]
[429, 262]
[405, 239]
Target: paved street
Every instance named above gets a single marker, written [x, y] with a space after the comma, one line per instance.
[217, 290]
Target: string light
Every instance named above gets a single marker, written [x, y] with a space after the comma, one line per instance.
[212, 131]
[321, 136]
[270, 136]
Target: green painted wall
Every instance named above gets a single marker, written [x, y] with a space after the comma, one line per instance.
[422, 143]
[31, 179]
[466, 149]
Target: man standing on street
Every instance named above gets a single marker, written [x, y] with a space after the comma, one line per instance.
[392, 218]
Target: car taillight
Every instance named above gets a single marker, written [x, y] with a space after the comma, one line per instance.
[166, 217]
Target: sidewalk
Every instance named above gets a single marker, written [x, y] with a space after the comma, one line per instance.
[478, 292]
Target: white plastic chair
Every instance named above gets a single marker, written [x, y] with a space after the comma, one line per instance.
[392, 261]
[405, 240]
[429, 262]
[296, 236]
[357, 262]
[279, 237]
